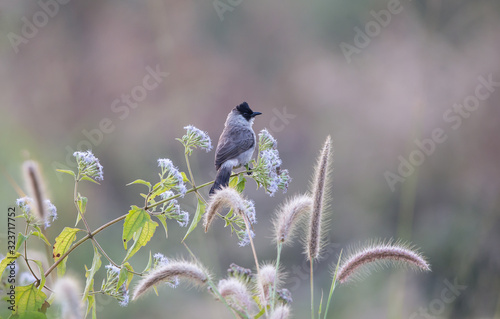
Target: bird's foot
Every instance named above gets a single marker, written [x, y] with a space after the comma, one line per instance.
[249, 169]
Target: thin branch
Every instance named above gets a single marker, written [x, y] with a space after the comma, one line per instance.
[116, 220]
[26, 252]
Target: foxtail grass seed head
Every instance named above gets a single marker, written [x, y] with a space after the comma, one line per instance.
[196, 138]
[68, 295]
[88, 165]
[173, 178]
[319, 193]
[266, 279]
[281, 312]
[169, 272]
[360, 262]
[36, 189]
[236, 294]
[160, 260]
[228, 197]
[288, 215]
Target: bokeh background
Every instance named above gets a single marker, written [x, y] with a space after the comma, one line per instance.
[288, 60]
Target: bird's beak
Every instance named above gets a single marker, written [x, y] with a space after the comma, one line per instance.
[254, 114]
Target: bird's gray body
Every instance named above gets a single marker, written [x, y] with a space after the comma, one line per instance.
[236, 143]
[236, 146]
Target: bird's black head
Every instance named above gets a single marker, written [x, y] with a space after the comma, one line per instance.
[246, 111]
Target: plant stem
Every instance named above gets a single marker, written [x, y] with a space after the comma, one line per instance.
[278, 255]
[247, 225]
[312, 287]
[334, 284]
[192, 178]
[75, 200]
[82, 240]
[26, 253]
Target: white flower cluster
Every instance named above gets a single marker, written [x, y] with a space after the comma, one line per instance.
[268, 172]
[109, 286]
[174, 177]
[196, 138]
[88, 164]
[172, 209]
[25, 203]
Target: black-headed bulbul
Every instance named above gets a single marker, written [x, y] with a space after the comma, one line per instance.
[236, 144]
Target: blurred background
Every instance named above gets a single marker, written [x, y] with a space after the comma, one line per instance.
[381, 77]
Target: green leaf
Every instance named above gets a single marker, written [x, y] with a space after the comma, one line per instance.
[163, 220]
[184, 177]
[86, 178]
[320, 304]
[135, 220]
[28, 298]
[200, 210]
[140, 181]
[240, 186]
[63, 243]
[156, 193]
[89, 273]
[82, 206]
[65, 171]
[125, 276]
[233, 182]
[7, 260]
[261, 313]
[142, 237]
[20, 240]
[38, 233]
[33, 315]
[91, 305]
[150, 263]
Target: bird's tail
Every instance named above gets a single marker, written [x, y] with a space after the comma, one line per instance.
[221, 179]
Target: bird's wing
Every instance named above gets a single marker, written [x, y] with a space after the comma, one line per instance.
[229, 149]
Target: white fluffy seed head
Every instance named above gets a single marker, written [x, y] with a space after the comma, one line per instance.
[361, 261]
[225, 197]
[266, 279]
[281, 312]
[236, 294]
[68, 295]
[320, 188]
[170, 272]
[289, 215]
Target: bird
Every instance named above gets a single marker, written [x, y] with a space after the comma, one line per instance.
[236, 144]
